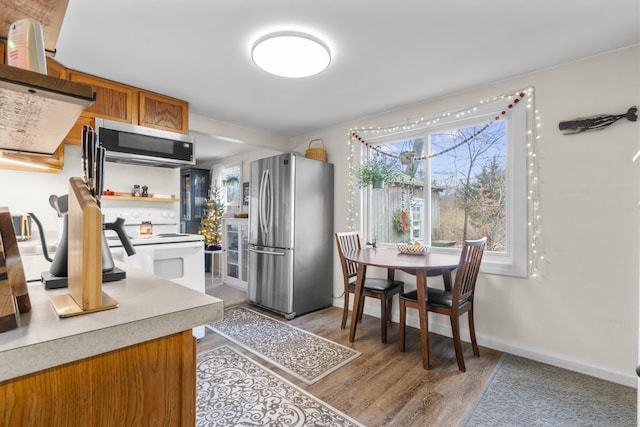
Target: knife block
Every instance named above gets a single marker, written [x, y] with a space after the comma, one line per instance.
[14, 295]
[84, 256]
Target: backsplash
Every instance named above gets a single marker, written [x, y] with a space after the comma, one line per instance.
[29, 191]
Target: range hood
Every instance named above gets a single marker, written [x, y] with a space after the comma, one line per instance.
[38, 110]
[144, 146]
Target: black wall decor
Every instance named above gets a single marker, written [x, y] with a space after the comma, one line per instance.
[584, 124]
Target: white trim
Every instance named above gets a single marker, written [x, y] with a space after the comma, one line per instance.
[500, 345]
[515, 261]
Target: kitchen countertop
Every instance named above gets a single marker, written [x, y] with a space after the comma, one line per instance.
[149, 308]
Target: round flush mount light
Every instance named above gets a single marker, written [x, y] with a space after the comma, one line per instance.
[291, 54]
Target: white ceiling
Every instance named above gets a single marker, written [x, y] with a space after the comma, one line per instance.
[386, 54]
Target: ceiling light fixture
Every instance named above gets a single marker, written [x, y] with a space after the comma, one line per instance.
[291, 54]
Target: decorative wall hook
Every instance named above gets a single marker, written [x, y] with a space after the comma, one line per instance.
[584, 124]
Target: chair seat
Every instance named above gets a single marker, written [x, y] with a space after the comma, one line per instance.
[378, 285]
[436, 297]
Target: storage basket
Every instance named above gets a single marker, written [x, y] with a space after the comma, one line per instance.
[316, 153]
[411, 249]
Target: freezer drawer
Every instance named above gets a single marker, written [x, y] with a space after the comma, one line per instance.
[271, 279]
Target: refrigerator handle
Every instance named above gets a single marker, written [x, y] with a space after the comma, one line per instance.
[269, 192]
[262, 200]
[266, 202]
[266, 252]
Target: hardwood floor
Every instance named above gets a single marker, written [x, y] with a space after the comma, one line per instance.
[385, 387]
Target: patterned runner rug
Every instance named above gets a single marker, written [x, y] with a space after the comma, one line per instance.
[233, 390]
[304, 355]
[522, 392]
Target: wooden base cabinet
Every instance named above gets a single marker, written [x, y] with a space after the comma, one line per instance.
[151, 383]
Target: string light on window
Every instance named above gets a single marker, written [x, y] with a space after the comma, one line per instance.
[351, 212]
[536, 255]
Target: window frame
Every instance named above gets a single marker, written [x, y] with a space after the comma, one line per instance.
[513, 262]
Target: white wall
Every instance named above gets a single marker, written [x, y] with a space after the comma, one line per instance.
[29, 191]
[583, 313]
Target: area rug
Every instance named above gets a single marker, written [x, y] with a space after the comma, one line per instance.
[522, 392]
[233, 390]
[304, 355]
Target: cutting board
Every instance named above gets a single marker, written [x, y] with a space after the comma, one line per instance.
[14, 295]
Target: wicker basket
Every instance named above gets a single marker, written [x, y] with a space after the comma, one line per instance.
[316, 153]
[411, 249]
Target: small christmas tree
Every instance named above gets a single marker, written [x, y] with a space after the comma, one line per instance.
[211, 223]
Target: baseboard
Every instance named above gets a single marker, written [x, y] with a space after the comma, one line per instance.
[493, 343]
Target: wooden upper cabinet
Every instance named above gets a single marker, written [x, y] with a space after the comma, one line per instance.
[162, 112]
[56, 69]
[114, 101]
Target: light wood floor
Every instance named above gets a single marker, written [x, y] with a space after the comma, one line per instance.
[385, 387]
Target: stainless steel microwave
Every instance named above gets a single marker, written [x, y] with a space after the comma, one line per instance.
[139, 145]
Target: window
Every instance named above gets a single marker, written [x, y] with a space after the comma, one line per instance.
[455, 179]
[228, 179]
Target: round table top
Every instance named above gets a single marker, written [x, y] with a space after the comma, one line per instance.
[392, 258]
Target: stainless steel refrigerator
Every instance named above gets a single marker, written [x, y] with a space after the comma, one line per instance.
[290, 234]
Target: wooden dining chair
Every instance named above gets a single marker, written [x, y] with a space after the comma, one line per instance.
[382, 289]
[453, 303]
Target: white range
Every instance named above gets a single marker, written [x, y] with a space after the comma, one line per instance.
[160, 248]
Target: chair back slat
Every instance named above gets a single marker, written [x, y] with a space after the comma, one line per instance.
[468, 268]
[348, 241]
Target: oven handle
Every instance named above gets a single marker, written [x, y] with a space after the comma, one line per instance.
[267, 252]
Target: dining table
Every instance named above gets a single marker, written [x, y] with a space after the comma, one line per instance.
[422, 266]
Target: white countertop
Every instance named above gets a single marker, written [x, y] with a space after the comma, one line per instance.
[149, 308]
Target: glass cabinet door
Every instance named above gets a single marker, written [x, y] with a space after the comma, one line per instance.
[185, 196]
[235, 241]
[200, 192]
[232, 250]
[244, 240]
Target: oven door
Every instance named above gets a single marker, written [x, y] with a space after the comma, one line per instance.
[181, 263]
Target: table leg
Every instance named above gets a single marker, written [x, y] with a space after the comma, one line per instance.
[421, 283]
[358, 300]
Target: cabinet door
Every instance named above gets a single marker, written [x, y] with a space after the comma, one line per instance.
[162, 112]
[55, 69]
[114, 101]
[232, 248]
[235, 241]
[194, 191]
[244, 253]
[185, 195]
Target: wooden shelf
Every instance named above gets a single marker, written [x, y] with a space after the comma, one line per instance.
[129, 197]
